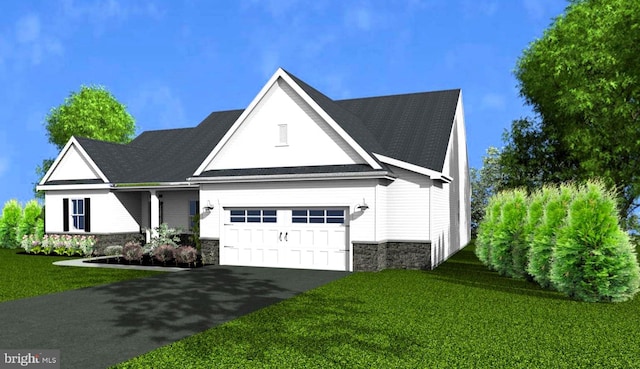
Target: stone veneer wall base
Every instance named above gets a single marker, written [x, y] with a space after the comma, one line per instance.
[373, 257]
[210, 251]
[108, 239]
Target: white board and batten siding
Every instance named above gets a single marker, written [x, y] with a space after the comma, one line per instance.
[268, 138]
[108, 214]
[452, 203]
[73, 166]
[439, 223]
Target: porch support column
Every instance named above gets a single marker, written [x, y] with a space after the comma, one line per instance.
[154, 220]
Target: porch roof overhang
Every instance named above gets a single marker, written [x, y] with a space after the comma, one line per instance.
[154, 186]
[117, 186]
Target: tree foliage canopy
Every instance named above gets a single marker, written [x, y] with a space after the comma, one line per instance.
[485, 182]
[92, 112]
[582, 78]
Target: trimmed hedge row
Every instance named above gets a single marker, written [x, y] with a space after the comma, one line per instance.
[15, 223]
[567, 238]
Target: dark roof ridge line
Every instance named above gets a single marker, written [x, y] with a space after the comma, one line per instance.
[400, 95]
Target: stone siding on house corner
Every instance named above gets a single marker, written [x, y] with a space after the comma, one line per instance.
[210, 251]
[373, 257]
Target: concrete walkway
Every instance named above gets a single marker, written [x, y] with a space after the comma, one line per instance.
[81, 263]
[101, 326]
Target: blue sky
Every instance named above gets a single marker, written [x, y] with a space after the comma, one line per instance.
[173, 62]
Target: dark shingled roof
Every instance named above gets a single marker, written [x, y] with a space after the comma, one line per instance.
[348, 168]
[414, 128]
[160, 156]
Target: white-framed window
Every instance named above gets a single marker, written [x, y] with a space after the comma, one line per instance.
[194, 209]
[77, 214]
[283, 133]
[253, 216]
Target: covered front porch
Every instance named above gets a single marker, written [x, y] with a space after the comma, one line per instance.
[151, 207]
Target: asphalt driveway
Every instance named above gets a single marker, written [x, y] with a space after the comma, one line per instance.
[100, 326]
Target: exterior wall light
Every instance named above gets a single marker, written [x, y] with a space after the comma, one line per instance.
[363, 206]
[209, 207]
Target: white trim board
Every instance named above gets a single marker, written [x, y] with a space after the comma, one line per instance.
[73, 142]
[414, 168]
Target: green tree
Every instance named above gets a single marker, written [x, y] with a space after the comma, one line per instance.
[582, 78]
[485, 182]
[93, 112]
[593, 259]
[487, 229]
[544, 235]
[509, 249]
[11, 215]
[27, 224]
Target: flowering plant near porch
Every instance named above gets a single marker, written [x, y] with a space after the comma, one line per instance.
[67, 245]
[165, 235]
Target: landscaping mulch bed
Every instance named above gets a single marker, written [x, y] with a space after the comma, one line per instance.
[146, 261]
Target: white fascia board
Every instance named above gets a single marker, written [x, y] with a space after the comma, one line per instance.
[333, 124]
[155, 186]
[73, 142]
[414, 168]
[74, 187]
[294, 177]
[280, 73]
[238, 122]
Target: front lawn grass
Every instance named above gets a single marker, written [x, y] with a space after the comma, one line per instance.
[32, 275]
[460, 315]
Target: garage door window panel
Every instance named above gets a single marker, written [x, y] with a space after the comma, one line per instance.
[299, 216]
[318, 216]
[253, 216]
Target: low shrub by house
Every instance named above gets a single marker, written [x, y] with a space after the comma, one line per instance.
[114, 250]
[132, 251]
[593, 259]
[164, 253]
[566, 238]
[64, 245]
[163, 235]
[186, 254]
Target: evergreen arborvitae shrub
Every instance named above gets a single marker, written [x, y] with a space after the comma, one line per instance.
[509, 246]
[537, 202]
[486, 229]
[28, 222]
[11, 214]
[593, 259]
[38, 230]
[544, 234]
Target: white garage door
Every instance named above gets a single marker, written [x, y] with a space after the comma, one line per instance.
[305, 238]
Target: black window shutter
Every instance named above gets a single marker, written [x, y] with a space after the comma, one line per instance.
[65, 215]
[87, 214]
